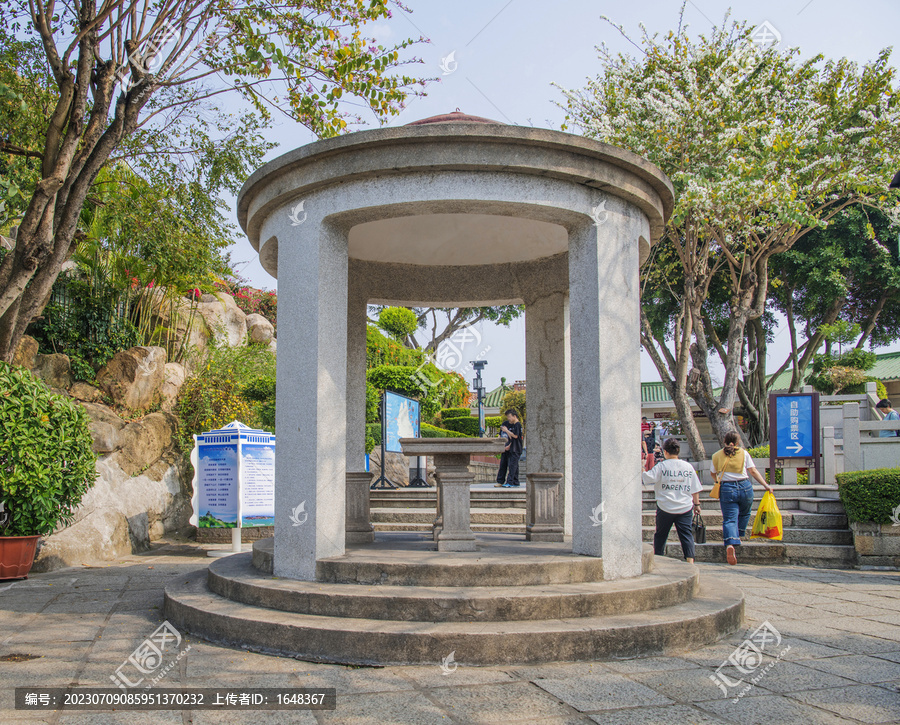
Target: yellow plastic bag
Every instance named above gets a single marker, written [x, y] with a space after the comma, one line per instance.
[767, 524]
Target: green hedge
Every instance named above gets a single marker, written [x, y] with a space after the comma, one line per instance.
[373, 436]
[431, 431]
[494, 421]
[467, 426]
[870, 495]
[448, 413]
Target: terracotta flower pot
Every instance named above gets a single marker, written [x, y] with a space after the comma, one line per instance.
[16, 556]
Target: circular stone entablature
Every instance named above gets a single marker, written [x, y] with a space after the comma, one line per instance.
[426, 191]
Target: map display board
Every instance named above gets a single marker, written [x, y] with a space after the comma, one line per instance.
[401, 420]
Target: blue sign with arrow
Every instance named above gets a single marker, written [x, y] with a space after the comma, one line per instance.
[794, 426]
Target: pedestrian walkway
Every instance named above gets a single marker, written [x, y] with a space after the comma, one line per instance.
[837, 661]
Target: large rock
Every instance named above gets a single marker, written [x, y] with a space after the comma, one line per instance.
[26, 352]
[260, 329]
[105, 428]
[121, 515]
[133, 377]
[144, 442]
[86, 393]
[175, 375]
[225, 320]
[183, 321]
[54, 369]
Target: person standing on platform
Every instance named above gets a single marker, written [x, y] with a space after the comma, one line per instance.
[508, 475]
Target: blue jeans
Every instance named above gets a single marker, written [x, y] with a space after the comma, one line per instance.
[736, 500]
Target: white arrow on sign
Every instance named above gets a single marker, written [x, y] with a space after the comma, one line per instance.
[796, 448]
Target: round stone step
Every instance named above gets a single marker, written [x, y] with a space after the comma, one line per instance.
[190, 606]
[670, 582]
[409, 559]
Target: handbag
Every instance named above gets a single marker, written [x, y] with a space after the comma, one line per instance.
[699, 529]
[715, 489]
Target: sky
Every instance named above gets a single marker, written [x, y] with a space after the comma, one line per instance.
[507, 54]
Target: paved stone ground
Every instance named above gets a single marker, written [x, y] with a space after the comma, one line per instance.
[842, 666]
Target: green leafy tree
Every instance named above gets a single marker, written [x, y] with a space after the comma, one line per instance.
[438, 324]
[398, 322]
[846, 274]
[762, 147]
[145, 81]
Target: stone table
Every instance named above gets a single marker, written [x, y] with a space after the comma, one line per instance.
[452, 527]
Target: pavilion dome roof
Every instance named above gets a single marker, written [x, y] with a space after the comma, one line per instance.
[456, 116]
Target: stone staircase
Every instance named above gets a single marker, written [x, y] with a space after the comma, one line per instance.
[397, 601]
[496, 510]
[816, 532]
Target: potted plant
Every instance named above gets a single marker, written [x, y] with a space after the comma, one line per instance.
[46, 465]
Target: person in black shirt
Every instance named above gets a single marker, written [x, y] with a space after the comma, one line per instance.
[509, 460]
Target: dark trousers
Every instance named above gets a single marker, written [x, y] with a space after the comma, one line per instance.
[509, 468]
[664, 521]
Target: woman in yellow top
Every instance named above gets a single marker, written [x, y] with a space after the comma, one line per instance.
[733, 467]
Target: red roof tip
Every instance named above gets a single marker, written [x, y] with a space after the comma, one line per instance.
[456, 116]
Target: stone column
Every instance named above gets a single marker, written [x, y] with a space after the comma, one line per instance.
[359, 524]
[604, 296]
[453, 528]
[356, 377]
[543, 506]
[545, 364]
[311, 413]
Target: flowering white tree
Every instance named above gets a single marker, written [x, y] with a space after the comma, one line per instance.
[761, 147]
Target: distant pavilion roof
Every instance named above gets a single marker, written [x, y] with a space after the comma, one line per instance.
[456, 116]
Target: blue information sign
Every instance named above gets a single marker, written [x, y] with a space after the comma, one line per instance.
[794, 426]
[401, 420]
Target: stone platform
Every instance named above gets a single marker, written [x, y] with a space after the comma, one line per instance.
[397, 601]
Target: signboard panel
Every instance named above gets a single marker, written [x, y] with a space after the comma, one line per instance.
[794, 426]
[257, 484]
[234, 478]
[401, 420]
[217, 485]
[794, 430]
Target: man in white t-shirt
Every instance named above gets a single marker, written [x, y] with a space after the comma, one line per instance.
[677, 498]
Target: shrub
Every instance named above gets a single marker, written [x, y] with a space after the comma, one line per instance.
[46, 456]
[381, 350]
[763, 452]
[448, 413]
[84, 325]
[431, 431]
[468, 426]
[208, 402]
[261, 393]
[373, 403]
[515, 399]
[870, 495]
